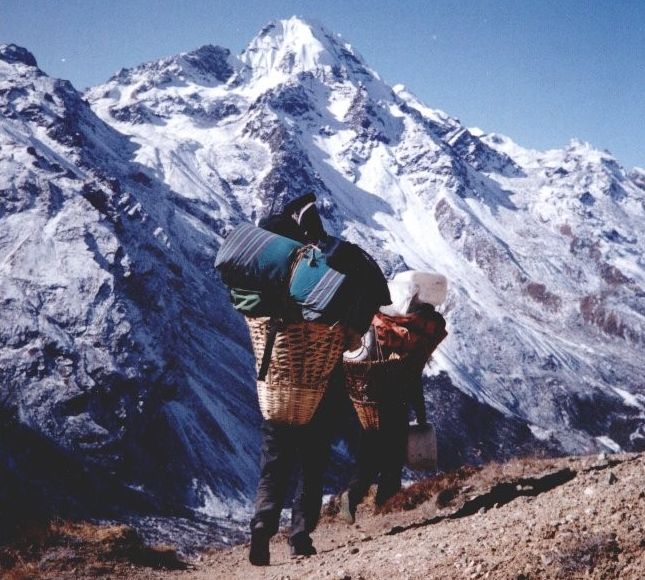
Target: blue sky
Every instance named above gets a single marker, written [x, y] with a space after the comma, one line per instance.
[539, 71]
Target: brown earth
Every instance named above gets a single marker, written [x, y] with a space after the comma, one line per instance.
[579, 517]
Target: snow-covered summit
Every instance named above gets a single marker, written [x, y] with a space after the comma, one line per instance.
[290, 47]
[509, 225]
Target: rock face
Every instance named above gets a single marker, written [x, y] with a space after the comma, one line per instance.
[118, 345]
[112, 323]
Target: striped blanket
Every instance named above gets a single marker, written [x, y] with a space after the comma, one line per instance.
[314, 285]
[255, 259]
[269, 274]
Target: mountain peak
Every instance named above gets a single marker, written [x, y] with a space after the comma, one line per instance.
[12, 53]
[210, 60]
[580, 145]
[292, 46]
[207, 64]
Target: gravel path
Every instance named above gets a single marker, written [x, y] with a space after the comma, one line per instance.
[527, 519]
[590, 526]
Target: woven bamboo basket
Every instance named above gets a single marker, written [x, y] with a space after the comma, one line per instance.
[368, 415]
[303, 356]
[366, 382]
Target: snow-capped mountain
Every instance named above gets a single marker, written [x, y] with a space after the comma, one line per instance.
[112, 322]
[111, 214]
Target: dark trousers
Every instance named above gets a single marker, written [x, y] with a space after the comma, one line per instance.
[381, 453]
[289, 450]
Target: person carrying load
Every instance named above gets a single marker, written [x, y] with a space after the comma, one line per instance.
[315, 300]
[385, 378]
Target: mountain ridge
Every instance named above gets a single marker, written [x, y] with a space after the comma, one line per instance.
[456, 160]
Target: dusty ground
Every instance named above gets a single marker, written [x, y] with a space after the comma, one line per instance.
[565, 518]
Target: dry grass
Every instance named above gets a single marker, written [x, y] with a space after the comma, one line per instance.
[444, 487]
[60, 549]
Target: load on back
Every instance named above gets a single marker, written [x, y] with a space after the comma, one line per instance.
[303, 292]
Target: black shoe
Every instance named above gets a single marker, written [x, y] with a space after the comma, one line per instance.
[259, 552]
[301, 545]
[347, 511]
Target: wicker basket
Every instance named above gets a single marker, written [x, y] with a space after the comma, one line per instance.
[303, 356]
[368, 414]
[366, 382]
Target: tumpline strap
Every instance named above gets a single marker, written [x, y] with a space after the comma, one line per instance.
[272, 330]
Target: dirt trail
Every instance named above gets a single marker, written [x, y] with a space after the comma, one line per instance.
[578, 517]
[565, 518]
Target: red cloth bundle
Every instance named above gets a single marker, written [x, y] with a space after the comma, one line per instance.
[421, 330]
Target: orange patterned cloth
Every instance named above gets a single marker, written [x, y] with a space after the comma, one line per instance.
[422, 330]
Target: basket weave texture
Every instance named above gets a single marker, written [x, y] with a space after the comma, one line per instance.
[368, 382]
[303, 356]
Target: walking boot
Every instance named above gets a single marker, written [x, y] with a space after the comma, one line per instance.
[259, 552]
[301, 545]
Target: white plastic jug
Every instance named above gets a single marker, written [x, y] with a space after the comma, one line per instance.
[432, 288]
[421, 452]
[402, 293]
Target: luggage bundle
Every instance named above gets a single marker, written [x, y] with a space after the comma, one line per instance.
[271, 275]
[314, 285]
[255, 265]
[397, 346]
[291, 298]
